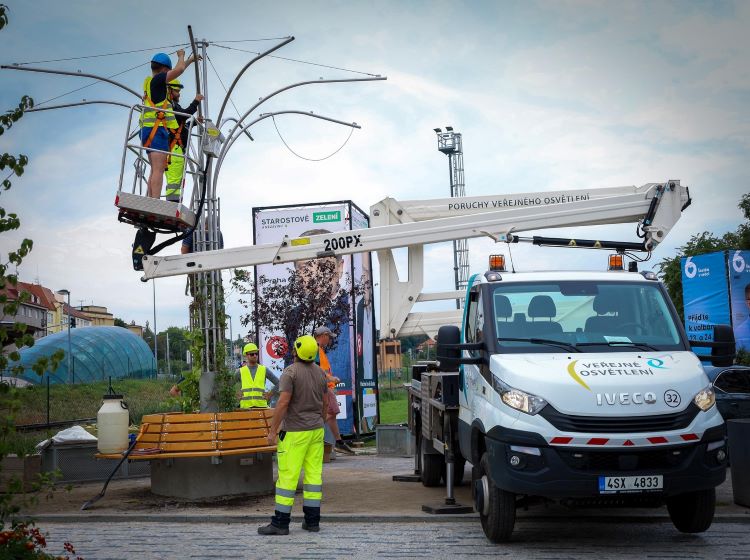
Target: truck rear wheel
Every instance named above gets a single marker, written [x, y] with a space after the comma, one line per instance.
[496, 507]
[431, 465]
[692, 512]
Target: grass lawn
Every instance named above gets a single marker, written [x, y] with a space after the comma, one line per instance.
[70, 402]
[393, 407]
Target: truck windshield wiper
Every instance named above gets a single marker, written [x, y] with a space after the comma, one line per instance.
[558, 343]
[624, 343]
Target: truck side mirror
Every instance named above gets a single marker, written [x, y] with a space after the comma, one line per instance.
[724, 350]
[448, 356]
[449, 349]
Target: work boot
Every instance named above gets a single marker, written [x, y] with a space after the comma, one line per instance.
[272, 529]
[311, 528]
[342, 447]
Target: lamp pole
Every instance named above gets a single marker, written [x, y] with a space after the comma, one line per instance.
[70, 352]
[156, 353]
[231, 343]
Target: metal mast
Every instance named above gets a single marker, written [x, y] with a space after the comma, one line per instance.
[449, 142]
[207, 309]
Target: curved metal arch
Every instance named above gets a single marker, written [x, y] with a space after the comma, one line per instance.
[231, 140]
[241, 72]
[77, 74]
[102, 102]
[285, 88]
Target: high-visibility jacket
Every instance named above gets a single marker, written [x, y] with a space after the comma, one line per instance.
[253, 388]
[157, 116]
[325, 365]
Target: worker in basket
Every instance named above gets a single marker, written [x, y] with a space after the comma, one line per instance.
[178, 139]
[157, 118]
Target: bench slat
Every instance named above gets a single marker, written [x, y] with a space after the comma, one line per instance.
[179, 418]
[244, 415]
[242, 443]
[151, 428]
[242, 425]
[171, 427]
[240, 434]
[188, 446]
[173, 437]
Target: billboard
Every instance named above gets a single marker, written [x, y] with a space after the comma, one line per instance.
[351, 360]
[705, 296]
[364, 333]
[739, 289]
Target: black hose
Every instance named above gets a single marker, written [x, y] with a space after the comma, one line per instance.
[186, 233]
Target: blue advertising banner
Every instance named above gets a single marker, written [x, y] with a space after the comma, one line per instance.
[705, 296]
[739, 288]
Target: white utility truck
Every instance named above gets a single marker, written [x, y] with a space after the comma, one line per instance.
[572, 386]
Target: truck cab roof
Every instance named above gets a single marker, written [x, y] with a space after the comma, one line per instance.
[567, 275]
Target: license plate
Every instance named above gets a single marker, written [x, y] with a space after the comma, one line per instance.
[621, 484]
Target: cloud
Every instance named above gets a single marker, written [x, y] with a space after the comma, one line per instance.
[547, 96]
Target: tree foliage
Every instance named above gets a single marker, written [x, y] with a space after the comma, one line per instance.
[19, 538]
[699, 244]
[311, 296]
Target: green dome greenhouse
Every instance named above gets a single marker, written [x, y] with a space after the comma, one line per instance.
[98, 353]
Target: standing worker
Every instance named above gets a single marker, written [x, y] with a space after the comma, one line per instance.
[298, 423]
[178, 139]
[157, 118]
[324, 336]
[253, 378]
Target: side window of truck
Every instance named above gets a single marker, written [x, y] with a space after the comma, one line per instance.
[471, 314]
[475, 320]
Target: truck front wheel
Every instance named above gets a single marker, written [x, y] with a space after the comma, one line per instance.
[496, 507]
[692, 512]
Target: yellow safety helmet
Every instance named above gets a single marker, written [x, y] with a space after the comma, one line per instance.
[249, 347]
[175, 84]
[306, 348]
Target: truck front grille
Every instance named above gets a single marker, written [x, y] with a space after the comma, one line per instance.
[619, 424]
[612, 461]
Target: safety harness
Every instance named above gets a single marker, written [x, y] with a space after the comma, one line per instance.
[157, 116]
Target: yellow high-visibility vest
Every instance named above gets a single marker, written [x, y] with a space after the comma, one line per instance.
[156, 116]
[253, 388]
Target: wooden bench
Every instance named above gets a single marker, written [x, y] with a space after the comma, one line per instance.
[177, 435]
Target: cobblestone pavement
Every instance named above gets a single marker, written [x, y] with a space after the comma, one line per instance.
[547, 539]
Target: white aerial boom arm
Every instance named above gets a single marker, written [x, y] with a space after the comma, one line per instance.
[656, 207]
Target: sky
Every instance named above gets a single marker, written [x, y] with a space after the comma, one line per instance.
[547, 96]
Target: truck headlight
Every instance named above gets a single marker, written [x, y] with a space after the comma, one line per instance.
[705, 398]
[515, 398]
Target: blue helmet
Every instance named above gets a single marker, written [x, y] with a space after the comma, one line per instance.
[163, 59]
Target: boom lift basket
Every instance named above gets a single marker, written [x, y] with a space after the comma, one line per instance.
[156, 214]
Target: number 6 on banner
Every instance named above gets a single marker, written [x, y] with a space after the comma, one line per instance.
[738, 263]
[690, 268]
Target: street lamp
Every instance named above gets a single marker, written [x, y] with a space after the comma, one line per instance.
[70, 353]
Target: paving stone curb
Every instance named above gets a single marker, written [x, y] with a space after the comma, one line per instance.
[359, 518]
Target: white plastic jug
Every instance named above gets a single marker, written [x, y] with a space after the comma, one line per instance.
[112, 425]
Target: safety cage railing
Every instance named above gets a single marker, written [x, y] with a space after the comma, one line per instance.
[132, 200]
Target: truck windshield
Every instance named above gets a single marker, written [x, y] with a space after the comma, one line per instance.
[592, 316]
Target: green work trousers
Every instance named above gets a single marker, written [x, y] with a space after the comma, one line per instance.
[174, 174]
[297, 451]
